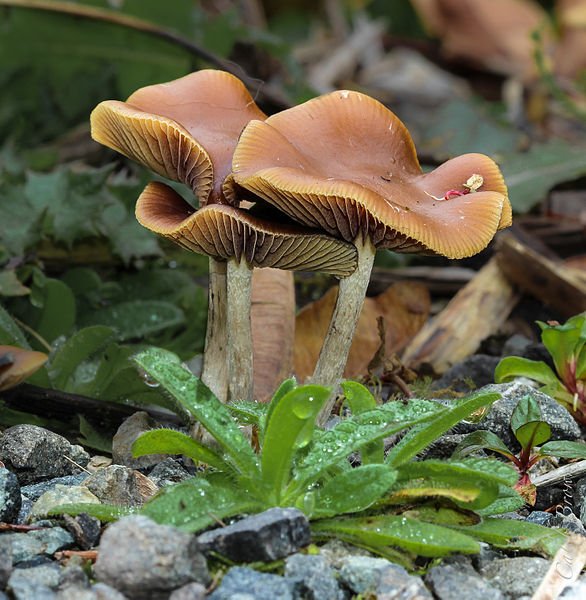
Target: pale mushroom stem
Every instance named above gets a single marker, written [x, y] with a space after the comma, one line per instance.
[336, 347]
[214, 372]
[240, 374]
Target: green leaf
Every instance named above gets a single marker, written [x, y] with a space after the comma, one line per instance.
[248, 412]
[287, 386]
[169, 441]
[424, 539]
[509, 500]
[196, 504]
[92, 438]
[189, 392]
[290, 427]
[354, 433]
[480, 440]
[564, 449]
[10, 333]
[532, 434]
[420, 438]
[515, 366]
[353, 491]
[359, 399]
[137, 319]
[527, 410]
[530, 175]
[58, 312]
[104, 512]
[513, 534]
[10, 284]
[79, 347]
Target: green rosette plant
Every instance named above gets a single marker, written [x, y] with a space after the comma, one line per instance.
[567, 346]
[392, 505]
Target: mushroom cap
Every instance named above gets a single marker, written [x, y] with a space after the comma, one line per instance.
[225, 232]
[16, 364]
[185, 130]
[346, 164]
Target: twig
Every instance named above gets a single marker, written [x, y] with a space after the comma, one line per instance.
[32, 332]
[91, 555]
[570, 471]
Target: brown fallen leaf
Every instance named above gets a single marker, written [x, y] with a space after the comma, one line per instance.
[404, 306]
[495, 35]
[273, 328]
[570, 56]
[16, 364]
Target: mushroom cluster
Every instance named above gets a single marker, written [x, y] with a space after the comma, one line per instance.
[186, 131]
[341, 168]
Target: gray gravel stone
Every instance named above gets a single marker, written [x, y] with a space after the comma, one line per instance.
[453, 582]
[5, 560]
[36, 490]
[168, 472]
[10, 498]
[121, 486]
[387, 581]
[315, 577]
[127, 433]
[34, 453]
[39, 542]
[34, 583]
[84, 529]
[569, 522]
[576, 591]
[191, 591]
[100, 591]
[270, 535]
[145, 560]
[242, 583]
[61, 494]
[563, 426]
[516, 577]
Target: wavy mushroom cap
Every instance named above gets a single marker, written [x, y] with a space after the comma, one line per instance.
[225, 232]
[16, 364]
[185, 130]
[345, 163]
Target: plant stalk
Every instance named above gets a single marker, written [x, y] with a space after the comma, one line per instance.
[215, 373]
[240, 347]
[336, 347]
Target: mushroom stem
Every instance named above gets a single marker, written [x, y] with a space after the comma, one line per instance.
[240, 377]
[336, 347]
[214, 373]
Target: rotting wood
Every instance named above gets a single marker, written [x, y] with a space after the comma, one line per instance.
[550, 281]
[474, 313]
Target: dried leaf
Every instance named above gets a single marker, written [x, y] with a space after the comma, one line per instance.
[16, 364]
[273, 329]
[404, 307]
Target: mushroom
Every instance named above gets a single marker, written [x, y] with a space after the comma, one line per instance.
[227, 233]
[16, 364]
[345, 164]
[186, 130]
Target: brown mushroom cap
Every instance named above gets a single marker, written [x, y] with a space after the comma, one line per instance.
[225, 232]
[345, 163]
[185, 130]
[16, 364]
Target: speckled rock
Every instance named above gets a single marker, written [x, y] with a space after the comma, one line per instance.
[191, 591]
[516, 577]
[61, 494]
[38, 542]
[35, 583]
[270, 535]
[365, 575]
[121, 486]
[147, 561]
[10, 497]
[314, 576]
[168, 472]
[127, 433]
[242, 583]
[34, 453]
[5, 560]
[453, 581]
[84, 529]
[36, 490]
